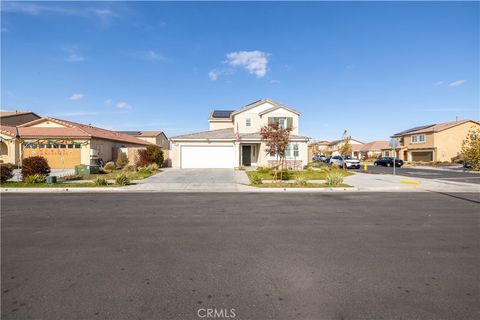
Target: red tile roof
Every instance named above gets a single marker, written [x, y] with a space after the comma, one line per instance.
[71, 130]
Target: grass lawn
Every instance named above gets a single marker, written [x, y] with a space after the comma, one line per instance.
[294, 185]
[53, 185]
[111, 175]
[292, 175]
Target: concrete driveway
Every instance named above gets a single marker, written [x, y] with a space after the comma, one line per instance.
[193, 180]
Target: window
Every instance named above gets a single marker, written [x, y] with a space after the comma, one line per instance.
[419, 138]
[282, 123]
[77, 146]
[288, 151]
[296, 151]
[248, 122]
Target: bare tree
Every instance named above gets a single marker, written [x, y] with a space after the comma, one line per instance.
[276, 140]
[346, 148]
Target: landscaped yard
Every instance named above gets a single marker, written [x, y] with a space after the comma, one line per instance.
[52, 185]
[293, 175]
[296, 185]
[301, 177]
[110, 175]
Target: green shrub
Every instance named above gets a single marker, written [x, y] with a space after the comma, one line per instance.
[100, 182]
[282, 174]
[130, 168]
[35, 166]
[264, 170]
[156, 154]
[318, 165]
[109, 166]
[153, 167]
[152, 154]
[71, 177]
[35, 178]
[6, 171]
[301, 180]
[122, 160]
[122, 179]
[335, 177]
[255, 178]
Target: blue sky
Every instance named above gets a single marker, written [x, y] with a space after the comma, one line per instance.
[374, 68]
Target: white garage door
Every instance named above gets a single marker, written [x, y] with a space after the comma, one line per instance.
[207, 156]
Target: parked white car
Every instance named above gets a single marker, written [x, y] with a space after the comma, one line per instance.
[350, 163]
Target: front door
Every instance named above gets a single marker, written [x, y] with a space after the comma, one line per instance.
[246, 151]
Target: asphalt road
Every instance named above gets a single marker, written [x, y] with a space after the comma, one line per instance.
[267, 256]
[458, 176]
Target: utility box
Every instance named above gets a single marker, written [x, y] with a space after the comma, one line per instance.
[51, 179]
[87, 169]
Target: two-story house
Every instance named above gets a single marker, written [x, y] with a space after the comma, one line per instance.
[233, 139]
[435, 142]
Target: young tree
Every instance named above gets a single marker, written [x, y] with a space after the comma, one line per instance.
[346, 148]
[471, 149]
[276, 140]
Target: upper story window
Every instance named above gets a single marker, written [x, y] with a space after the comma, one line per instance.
[419, 138]
[282, 122]
[248, 122]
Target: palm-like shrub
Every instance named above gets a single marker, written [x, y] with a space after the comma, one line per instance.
[122, 180]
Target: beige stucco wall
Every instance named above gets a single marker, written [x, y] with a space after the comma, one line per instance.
[12, 148]
[159, 140]
[429, 142]
[215, 125]
[106, 149]
[448, 143]
[259, 121]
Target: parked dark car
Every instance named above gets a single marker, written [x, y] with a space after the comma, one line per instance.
[318, 158]
[388, 162]
[327, 159]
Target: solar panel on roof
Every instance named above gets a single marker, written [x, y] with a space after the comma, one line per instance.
[415, 129]
[221, 114]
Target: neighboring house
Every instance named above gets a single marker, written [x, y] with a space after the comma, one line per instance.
[234, 139]
[64, 144]
[335, 146]
[435, 142]
[15, 118]
[155, 137]
[317, 148]
[372, 149]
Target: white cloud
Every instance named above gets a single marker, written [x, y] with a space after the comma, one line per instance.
[214, 74]
[76, 96]
[153, 56]
[439, 83]
[456, 83]
[108, 102]
[123, 105]
[73, 55]
[254, 61]
[274, 81]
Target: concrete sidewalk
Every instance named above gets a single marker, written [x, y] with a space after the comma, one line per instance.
[388, 182]
[237, 181]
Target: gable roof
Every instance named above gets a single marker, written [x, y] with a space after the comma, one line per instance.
[375, 145]
[262, 101]
[222, 134]
[143, 133]
[335, 142]
[434, 127]
[8, 130]
[74, 130]
[6, 114]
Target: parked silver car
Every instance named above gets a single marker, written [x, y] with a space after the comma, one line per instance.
[350, 163]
